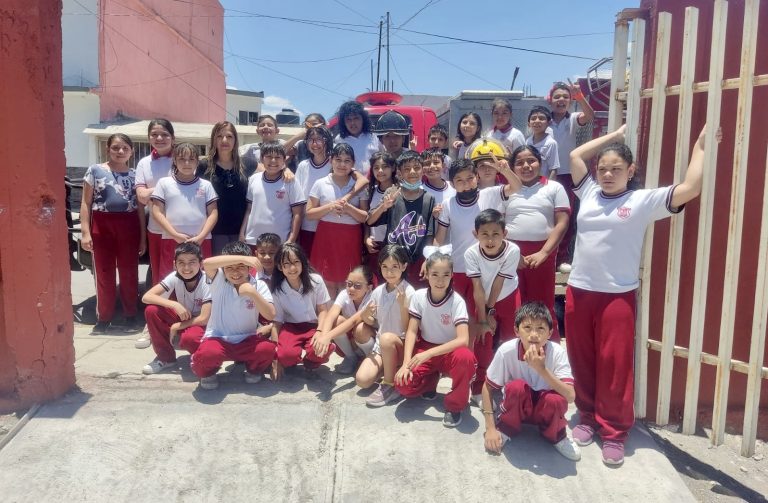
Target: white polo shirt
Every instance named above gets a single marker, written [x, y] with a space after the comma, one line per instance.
[550, 160]
[388, 310]
[272, 203]
[508, 365]
[609, 239]
[292, 306]
[193, 301]
[510, 137]
[186, 203]
[233, 317]
[325, 191]
[480, 265]
[438, 321]
[379, 232]
[461, 220]
[564, 133]
[307, 173]
[440, 195]
[148, 172]
[347, 305]
[364, 145]
[530, 212]
[253, 150]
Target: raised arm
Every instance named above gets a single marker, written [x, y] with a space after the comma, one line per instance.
[580, 155]
[690, 187]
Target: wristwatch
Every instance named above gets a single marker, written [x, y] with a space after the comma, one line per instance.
[490, 311]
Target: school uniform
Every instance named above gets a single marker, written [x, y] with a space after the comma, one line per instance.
[348, 309]
[364, 146]
[377, 232]
[438, 322]
[388, 314]
[548, 148]
[159, 318]
[296, 311]
[510, 137]
[231, 330]
[186, 209]
[252, 151]
[487, 268]
[272, 203]
[600, 300]
[149, 170]
[528, 398]
[116, 234]
[460, 219]
[530, 218]
[337, 246]
[307, 173]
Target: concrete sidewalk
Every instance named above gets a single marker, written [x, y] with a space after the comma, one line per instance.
[128, 437]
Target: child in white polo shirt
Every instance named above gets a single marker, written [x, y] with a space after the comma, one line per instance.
[273, 204]
[492, 266]
[535, 379]
[538, 122]
[238, 299]
[437, 341]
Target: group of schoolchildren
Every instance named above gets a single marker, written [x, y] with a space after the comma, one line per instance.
[431, 285]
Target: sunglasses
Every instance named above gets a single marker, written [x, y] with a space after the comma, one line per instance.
[356, 286]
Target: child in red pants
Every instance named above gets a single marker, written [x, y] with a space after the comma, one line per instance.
[237, 301]
[177, 309]
[535, 378]
[437, 341]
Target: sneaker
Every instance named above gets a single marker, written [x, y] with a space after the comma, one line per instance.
[384, 394]
[451, 419]
[583, 434]
[568, 449]
[251, 378]
[156, 366]
[101, 327]
[347, 366]
[142, 342]
[565, 268]
[613, 452]
[476, 400]
[429, 395]
[210, 382]
[132, 324]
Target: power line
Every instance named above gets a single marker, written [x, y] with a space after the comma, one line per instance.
[355, 12]
[545, 37]
[431, 2]
[295, 78]
[401, 77]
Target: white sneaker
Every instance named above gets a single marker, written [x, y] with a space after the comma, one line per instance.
[564, 268]
[253, 378]
[156, 366]
[568, 449]
[142, 342]
[210, 382]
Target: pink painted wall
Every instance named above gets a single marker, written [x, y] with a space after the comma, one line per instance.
[36, 351]
[162, 59]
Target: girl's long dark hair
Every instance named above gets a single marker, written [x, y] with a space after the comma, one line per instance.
[286, 251]
[387, 158]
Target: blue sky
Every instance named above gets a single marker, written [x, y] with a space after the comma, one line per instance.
[309, 63]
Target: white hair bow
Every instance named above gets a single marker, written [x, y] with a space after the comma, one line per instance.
[431, 250]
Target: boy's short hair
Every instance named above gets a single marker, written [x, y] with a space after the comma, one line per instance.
[272, 148]
[237, 248]
[489, 216]
[268, 238]
[188, 248]
[407, 156]
[264, 117]
[534, 311]
[430, 153]
[438, 129]
[538, 109]
[460, 165]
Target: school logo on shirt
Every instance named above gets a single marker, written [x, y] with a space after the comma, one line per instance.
[445, 319]
[407, 230]
[200, 192]
[249, 304]
[280, 194]
[623, 212]
[198, 304]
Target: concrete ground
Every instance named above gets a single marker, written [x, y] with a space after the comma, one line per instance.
[123, 436]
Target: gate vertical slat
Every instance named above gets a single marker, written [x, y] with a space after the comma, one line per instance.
[736, 220]
[619, 70]
[706, 207]
[674, 258]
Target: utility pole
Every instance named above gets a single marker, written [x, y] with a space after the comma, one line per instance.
[378, 62]
[387, 49]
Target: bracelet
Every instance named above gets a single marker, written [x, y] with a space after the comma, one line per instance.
[487, 412]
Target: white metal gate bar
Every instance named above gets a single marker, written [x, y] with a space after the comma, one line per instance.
[619, 70]
[635, 83]
[674, 259]
[736, 220]
[706, 207]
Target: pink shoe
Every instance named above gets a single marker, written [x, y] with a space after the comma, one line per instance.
[583, 434]
[613, 452]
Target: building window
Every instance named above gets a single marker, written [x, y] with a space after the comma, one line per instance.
[247, 118]
[140, 150]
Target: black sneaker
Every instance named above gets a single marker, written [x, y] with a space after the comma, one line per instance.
[429, 395]
[131, 324]
[100, 328]
[451, 419]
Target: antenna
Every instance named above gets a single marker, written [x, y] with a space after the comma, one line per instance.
[514, 78]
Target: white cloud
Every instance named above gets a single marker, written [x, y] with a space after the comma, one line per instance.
[274, 104]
